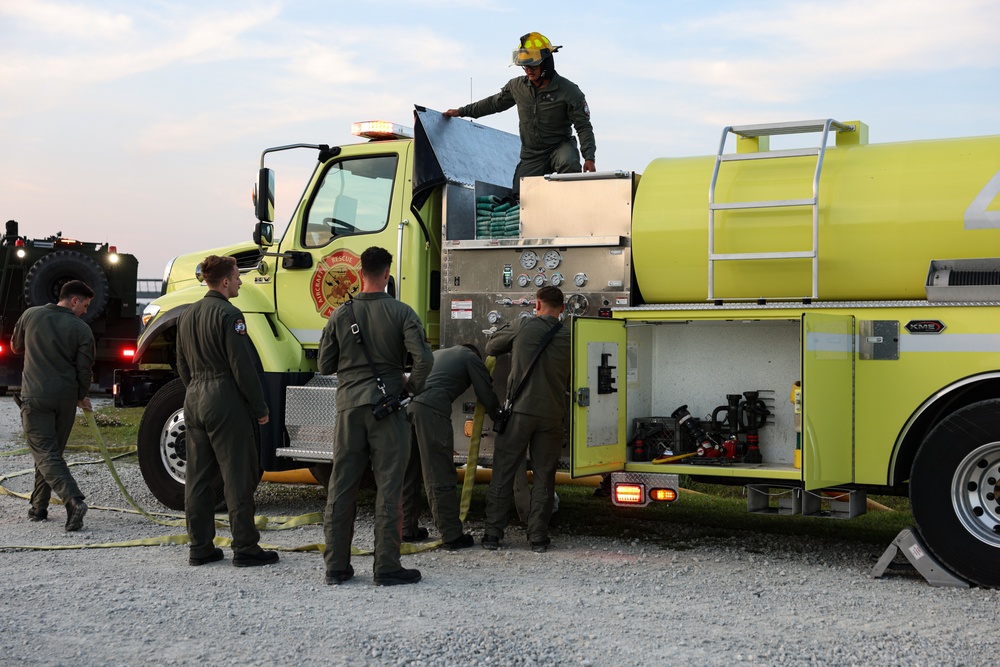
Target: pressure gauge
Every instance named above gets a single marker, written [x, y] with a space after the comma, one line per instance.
[493, 317]
[577, 305]
[580, 279]
[551, 259]
[556, 279]
[539, 280]
[529, 259]
[523, 280]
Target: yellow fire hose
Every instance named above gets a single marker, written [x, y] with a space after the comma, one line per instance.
[659, 460]
[262, 522]
[175, 520]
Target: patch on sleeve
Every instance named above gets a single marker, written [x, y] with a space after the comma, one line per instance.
[240, 327]
[586, 109]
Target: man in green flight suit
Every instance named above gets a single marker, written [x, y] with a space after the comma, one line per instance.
[58, 349]
[433, 442]
[386, 329]
[548, 107]
[536, 420]
[215, 361]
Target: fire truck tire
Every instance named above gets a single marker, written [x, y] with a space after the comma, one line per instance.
[322, 472]
[47, 276]
[162, 448]
[955, 492]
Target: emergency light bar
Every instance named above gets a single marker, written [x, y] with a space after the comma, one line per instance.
[381, 130]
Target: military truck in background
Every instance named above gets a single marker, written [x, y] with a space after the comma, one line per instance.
[33, 272]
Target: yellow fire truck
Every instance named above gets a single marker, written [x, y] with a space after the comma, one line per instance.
[811, 322]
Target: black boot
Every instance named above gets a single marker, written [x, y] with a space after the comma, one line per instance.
[253, 559]
[75, 509]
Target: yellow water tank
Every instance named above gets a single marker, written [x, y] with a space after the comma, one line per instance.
[885, 211]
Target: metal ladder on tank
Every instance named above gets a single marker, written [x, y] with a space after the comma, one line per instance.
[767, 130]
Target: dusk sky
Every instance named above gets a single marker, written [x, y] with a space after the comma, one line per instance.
[141, 122]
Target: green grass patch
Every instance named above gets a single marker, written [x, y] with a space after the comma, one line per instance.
[717, 514]
[118, 426]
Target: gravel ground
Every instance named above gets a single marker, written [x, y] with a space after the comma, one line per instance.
[590, 601]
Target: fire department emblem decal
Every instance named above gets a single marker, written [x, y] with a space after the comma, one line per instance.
[336, 277]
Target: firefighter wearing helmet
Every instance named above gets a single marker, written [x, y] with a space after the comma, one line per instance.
[549, 107]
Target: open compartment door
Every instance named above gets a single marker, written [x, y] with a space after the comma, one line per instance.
[827, 400]
[597, 419]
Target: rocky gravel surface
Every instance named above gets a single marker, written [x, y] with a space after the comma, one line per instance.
[754, 599]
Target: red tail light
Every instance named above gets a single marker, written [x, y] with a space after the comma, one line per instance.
[629, 494]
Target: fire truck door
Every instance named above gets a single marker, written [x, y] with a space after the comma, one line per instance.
[827, 400]
[597, 415]
[357, 202]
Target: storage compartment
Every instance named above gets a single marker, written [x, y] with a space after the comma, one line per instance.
[672, 364]
[963, 280]
[564, 205]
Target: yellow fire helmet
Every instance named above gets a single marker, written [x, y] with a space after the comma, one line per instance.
[533, 49]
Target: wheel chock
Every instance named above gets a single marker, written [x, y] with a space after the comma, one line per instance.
[920, 558]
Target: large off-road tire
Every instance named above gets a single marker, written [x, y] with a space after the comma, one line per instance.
[162, 447]
[47, 276]
[955, 492]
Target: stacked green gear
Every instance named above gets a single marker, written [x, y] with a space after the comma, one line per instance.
[497, 219]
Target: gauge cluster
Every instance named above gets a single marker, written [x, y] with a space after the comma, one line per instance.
[486, 288]
[539, 268]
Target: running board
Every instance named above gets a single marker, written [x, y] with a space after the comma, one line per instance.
[311, 454]
[920, 558]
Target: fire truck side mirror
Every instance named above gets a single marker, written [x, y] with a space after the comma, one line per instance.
[263, 195]
[263, 234]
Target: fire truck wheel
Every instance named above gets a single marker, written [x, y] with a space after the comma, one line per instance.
[955, 492]
[47, 276]
[322, 472]
[162, 447]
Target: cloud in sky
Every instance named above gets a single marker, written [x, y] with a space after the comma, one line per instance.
[121, 98]
[72, 48]
[788, 54]
[68, 20]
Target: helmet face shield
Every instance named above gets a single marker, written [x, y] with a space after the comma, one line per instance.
[529, 57]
